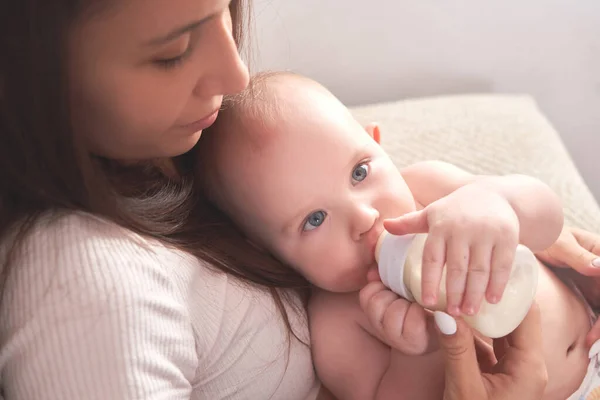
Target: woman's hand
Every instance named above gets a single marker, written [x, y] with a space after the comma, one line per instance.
[575, 248]
[579, 250]
[520, 372]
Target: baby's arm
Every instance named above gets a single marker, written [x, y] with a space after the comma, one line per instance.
[349, 358]
[474, 225]
[536, 206]
[349, 361]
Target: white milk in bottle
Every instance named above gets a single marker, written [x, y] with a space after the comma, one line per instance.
[399, 262]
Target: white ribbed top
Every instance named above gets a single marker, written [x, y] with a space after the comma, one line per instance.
[93, 311]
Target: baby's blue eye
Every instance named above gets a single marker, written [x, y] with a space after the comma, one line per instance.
[360, 172]
[314, 220]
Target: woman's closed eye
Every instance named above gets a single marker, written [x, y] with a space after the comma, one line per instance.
[314, 220]
[177, 58]
[168, 63]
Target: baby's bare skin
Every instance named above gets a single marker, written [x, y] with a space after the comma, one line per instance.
[314, 188]
[565, 323]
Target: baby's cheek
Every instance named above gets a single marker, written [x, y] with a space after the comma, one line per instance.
[340, 283]
[334, 272]
[396, 200]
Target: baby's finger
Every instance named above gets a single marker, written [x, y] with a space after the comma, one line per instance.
[478, 277]
[457, 262]
[367, 293]
[413, 222]
[407, 328]
[501, 265]
[394, 320]
[434, 252]
[374, 299]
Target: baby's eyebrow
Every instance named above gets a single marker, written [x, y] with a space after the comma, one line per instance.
[356, 157]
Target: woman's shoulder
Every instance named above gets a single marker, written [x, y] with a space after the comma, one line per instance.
[79, 231]
[77, 237]
[87, 256]
[88, 293]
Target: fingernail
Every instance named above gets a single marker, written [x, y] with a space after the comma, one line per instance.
[429, 300]
[596, 262]
[454, 310]
[445, 323]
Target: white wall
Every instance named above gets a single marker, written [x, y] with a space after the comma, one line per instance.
[377, 50]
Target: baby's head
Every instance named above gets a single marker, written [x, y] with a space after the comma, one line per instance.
[292, 167]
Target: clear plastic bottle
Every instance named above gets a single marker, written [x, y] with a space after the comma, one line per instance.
[399, 262]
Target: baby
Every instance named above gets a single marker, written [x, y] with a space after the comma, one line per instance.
[313, 187]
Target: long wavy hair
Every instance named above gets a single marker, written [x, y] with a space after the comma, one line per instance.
[45, 169]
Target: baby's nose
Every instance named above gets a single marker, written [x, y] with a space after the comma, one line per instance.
[364, 219]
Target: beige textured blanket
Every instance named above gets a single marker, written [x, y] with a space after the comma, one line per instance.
[488, 134]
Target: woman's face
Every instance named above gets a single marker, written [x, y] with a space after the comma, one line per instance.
[146, 76]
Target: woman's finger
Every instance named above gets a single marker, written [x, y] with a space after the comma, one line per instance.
[576, 249]
[463, 376]
[588, 240]
[486, 354]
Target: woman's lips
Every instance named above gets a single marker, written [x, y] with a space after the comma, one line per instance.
[203, 123]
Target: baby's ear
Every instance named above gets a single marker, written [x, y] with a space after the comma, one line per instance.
[373, 131]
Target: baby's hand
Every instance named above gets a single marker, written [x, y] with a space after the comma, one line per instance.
[475, 232]
[402, 325]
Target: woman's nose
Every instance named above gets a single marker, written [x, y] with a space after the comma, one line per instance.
[226, 73]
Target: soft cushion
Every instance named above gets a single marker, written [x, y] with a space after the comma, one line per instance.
[485, 134]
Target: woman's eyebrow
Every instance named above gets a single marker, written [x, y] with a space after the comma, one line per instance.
[174, 34]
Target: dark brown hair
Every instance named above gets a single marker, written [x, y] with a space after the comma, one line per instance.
[43, 167]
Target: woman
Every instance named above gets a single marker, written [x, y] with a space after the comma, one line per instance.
[108, 293]
[119, 281]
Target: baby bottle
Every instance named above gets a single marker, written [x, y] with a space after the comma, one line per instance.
[399, 262]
